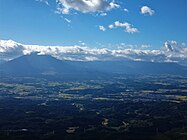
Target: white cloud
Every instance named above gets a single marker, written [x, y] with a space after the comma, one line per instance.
[81, 43]
[85, 6]
[126, 10]
[147, 10]
[10, 50]
[111, 26]
[128, 27]
[172, 46]
[145, 46]
[91, 58]
[67, 20]
[44, 1]
[113, 5]
[102, 28]
[103, 14]
[175, 51]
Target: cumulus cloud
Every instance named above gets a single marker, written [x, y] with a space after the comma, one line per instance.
[127, 26]
[171, 45]
[175, 51]
[147, 10]
[10, 50]
[85, 6]
[102, 28]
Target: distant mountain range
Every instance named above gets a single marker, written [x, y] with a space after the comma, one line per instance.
[33, 64]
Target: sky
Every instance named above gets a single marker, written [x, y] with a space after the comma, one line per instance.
[44, 22]
[145, 25]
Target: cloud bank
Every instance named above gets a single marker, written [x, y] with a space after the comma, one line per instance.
[170, 52]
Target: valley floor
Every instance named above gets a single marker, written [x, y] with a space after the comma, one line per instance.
[123, 107]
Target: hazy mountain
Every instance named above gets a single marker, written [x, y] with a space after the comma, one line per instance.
[138, 67]
[47, 65]
[2, 61]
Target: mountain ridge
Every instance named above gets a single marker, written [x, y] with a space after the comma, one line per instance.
[34, 64]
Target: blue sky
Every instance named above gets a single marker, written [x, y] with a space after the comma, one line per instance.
[40, 22]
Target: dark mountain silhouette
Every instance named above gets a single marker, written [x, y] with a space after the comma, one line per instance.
[35, 64]
[47, 65]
